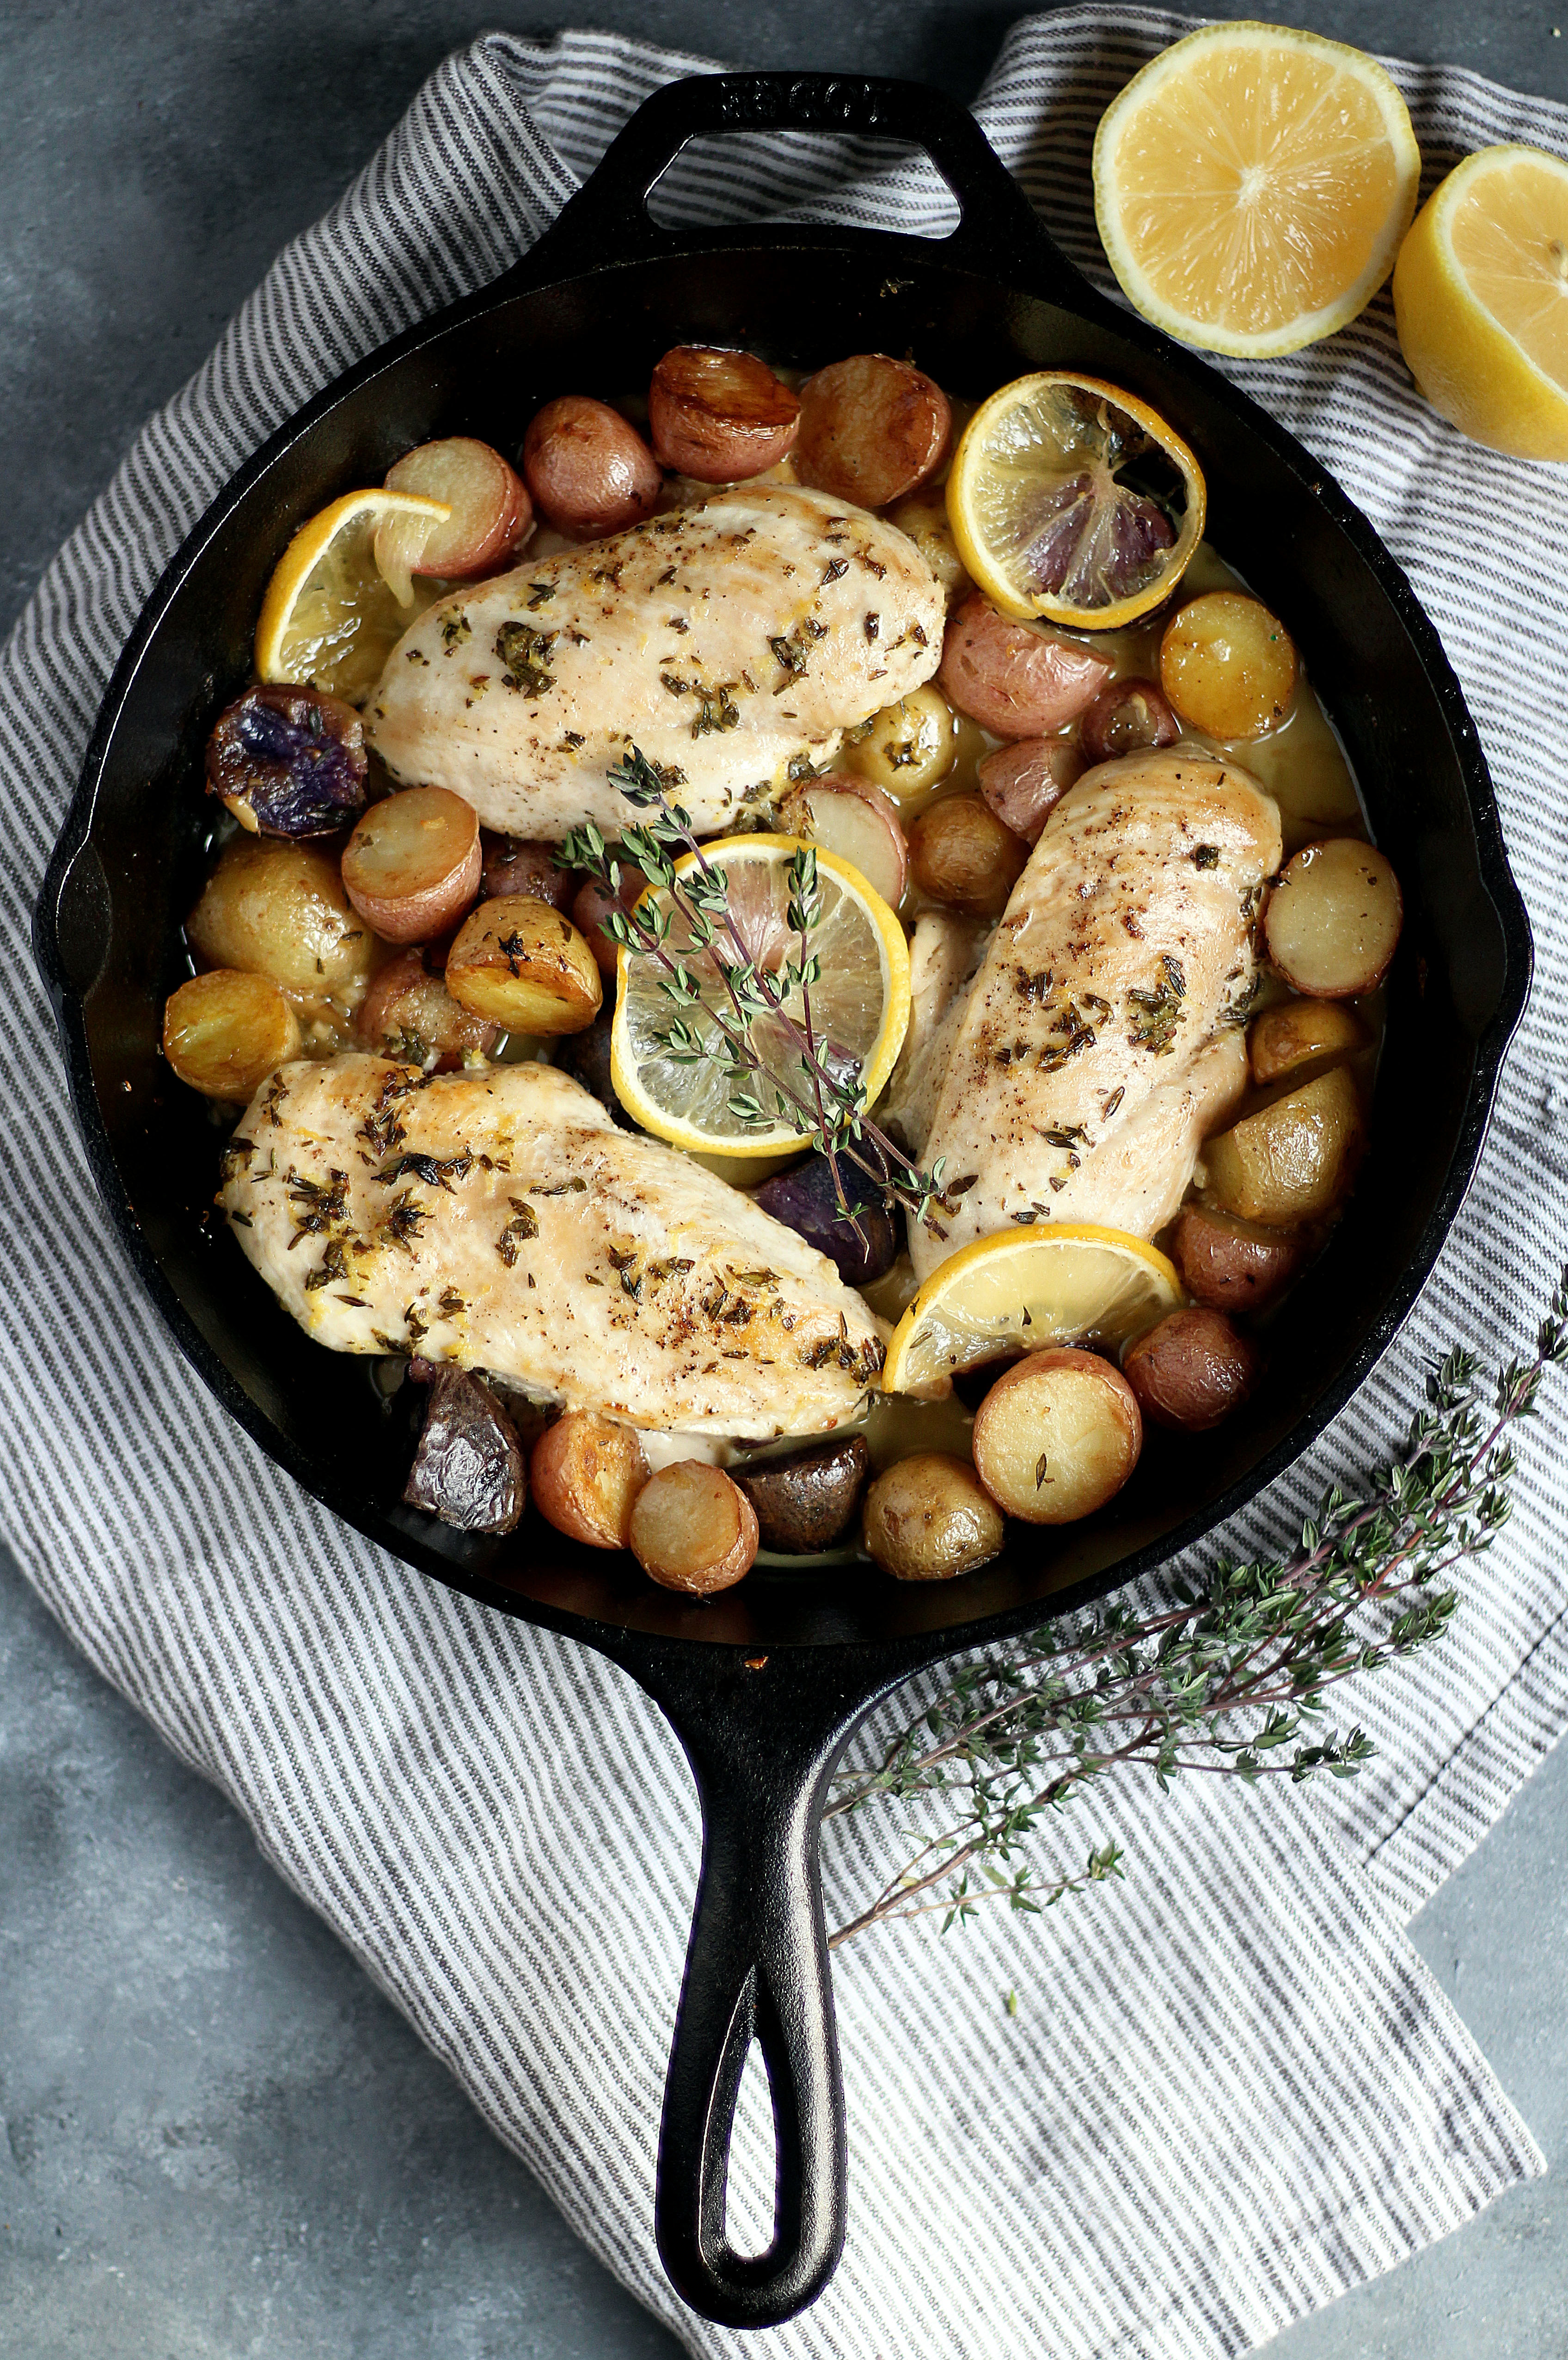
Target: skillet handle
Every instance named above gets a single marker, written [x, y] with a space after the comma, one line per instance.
[608, 221]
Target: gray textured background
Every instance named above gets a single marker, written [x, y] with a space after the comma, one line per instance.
[220, 2139]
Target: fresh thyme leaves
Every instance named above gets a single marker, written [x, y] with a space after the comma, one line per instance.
[724, 1005]
[525, 654]
[1229, 1677]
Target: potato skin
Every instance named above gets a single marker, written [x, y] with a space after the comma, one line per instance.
[521, 864]
[908, 748]
[275, 908]
[1057, 1435]
[1024, 782]
[872, 429]
[468, 1469]
[1299, 1033]
[523, 966]
[928, 1518]
[806, 1201]
[1192, 1369]
[587, 469]
[719, 416]
[584, 1473]
[808, 1501]
[409, 1013]
[1292, 1161]
[1229, 1264]
[1125, 717]
[961, 853]
[694, 1529]
[1014, 679]
[289, 761]
[923, 516]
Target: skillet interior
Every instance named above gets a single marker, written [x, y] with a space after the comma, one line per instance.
[1455, 993]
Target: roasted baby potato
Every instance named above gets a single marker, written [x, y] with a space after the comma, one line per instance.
[521, 864]
[280, 909]
[468, 1469]
[1295, 1159]
[1057, 1435]
[1301, 1032]
[962, 853]
[872, 429]
[863, 1250]
[409, 1013]
[225, 1032]
[525, 966]
[593, 905]
[1126, 716]
[491, 511]
[413, 864]
[1192, 1369]
[588, 470]
[1333, 921]
[855, 820]
[692, 1529]
[923, 516]
[1230, 1264]
[586, 1055]
[1024, 782]
[1228, 666]
[808, 1501]
[929, 1517]
[289, 761]
[1016, 679]
[908, 748]
[719, 416]
[584, 1473]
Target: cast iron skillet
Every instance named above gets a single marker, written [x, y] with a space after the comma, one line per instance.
[766, 1683]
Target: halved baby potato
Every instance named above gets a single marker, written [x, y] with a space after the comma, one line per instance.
[525, 966]
[1228, 666]
[1057, 1435]
[923, 516]
[1024, 782]
[855, 820]
[1333, 921]
[908, 748]
[409, 1013]
[1301, 1032]
[277, 908]
[225, 1032]
[413, 864]
[692, 1528]
[1291, 1161]
[872, 429]
[928, 1518]
[1230, 1264]
[586, 1475]
[719, 416]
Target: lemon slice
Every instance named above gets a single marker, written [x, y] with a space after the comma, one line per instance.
[1073, 499]
[1252, 185]
[860, 1006]
[1073, 1285]
[329, 620]
[1481, 299]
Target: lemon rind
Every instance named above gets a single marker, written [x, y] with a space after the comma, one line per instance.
[307, 547]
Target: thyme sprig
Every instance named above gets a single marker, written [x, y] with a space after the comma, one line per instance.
[1230, 1678]
[731, 1007]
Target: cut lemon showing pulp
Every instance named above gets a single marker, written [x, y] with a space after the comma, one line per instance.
[860, 1005]
[1074, 500]
[1481, 297]
[1252, 185]
[329, 619]
[1073, 1285]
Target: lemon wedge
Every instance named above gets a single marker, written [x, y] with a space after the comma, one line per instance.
[1481, 299]
[860, 1006]
[1252, 185]
[1077, 1283]
[330, 618]
[1045, 509]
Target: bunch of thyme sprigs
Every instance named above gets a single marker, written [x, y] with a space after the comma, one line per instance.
[780, 1067]
[1229, 1679]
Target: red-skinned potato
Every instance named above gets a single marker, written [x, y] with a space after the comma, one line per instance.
[855, 820]
[224, 1031]
[928, 1518]
[1192, 1369]
[413, 864]
[589, 471]
[1333, 923]
[523, 966]
[491, 513]
[1126, 716]
[692, 1528]
[592, 906]
[1057, 1435]
[719, 416]
[1024, 782]
[1013, 679]
[1229, 1264]
[585, 1476]
[518, 864]
[409, 1013]
[872, 429]
[961, 853]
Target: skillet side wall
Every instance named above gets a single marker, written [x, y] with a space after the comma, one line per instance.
[1409, 739]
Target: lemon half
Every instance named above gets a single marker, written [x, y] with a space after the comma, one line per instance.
[329, 619]
[1077, 1283]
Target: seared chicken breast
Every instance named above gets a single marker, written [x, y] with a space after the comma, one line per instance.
[499, 1218]
[1091, 1059]
[945, 956]
[727, 641]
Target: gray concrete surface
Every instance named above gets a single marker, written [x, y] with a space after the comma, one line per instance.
[219, 2138]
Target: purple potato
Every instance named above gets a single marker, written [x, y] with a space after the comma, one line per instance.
[1126, 718]
[289, 761]
[804, 1201]
[586, 1055]
[469, 1467]
[807, 1500]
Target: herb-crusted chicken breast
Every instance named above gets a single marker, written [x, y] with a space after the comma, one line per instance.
[727, 641]
[1096, 1051]
[499, 1218]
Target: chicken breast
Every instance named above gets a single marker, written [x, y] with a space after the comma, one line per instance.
[497, 1217]
[1090, 1061]
[945, 956]
[727, 641]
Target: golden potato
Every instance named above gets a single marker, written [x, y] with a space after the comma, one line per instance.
[1295, 1159]
[275, 908]
[692, 1528]
[1301, 1032]
[1228, 666]
[962, 853]
[929, 1517]
[225, 1032]
[584, 1474]
[1231, 1264]
[909, 748]
[1057, 1435]
[1192, 1369]
[1333, 921]
[525, 966]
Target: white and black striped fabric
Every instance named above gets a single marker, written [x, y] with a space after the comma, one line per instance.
[1231, 2089]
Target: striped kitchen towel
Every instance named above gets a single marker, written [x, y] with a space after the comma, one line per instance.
[1232, 2089]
